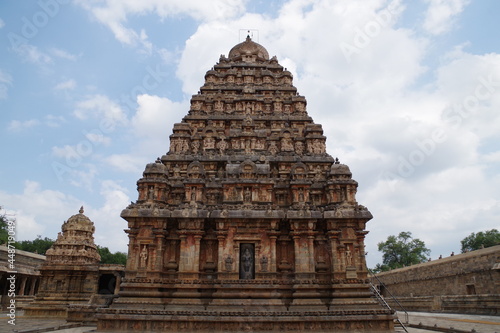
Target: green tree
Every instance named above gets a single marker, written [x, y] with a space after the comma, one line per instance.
[111, 258]
[4, 233]
[401, 251]
[39, 245]
[481, 239]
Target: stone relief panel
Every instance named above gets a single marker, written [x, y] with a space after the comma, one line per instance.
[247, 261]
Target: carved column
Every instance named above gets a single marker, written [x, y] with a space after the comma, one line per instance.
[333, 236]
[184, 257]
[310, 243]
[273, 238]
[160, 237]
[362, 259]
[196, 264]
[190, 251]
[23, 285]
[33, 285]
[298, 255]
[221, 238]
[133, 253]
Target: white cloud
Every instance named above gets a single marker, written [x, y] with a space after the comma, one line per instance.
[375, 113]
[17, 125]
[66, 85]
[153, 122]
[441, 209]
[53, 121]
[2, 23]
[48, 209]
[492, 157]
[440, 16]
[84, 176]
[107, 217]
[49, 120]
[98, 138]
[373, 106]
[32, 54]
[127, 162]
[5, 82]
[114, 14]
[45, 213]
[65, 151]
[75, 167]
[100, 106]
[155, 114]
[63, 54]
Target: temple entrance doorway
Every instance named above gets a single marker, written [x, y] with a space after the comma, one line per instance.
[247, 261]
[107, 284]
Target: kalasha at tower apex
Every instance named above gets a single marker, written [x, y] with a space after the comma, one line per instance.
[246, 224]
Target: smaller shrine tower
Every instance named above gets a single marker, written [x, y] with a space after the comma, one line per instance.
[70, 274]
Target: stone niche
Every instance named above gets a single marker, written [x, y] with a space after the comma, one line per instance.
[246, 224]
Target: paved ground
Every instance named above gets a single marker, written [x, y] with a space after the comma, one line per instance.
[38, 324]
[452, 322]
[459, 323]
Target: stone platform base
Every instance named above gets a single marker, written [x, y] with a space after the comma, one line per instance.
[46, 311]
[213, 321]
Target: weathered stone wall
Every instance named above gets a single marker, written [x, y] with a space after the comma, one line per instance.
[468, 283]
[27, 262]
[26, 265]
[472, 304]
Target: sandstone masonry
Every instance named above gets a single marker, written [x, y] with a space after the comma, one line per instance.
[246, 223]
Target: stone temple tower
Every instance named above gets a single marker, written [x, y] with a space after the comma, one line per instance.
[71, 271]
[246, 224]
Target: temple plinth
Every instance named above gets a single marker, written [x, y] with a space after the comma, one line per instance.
[246, 224]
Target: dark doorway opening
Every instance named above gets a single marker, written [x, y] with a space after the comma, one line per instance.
[471, 289]
[107, 284]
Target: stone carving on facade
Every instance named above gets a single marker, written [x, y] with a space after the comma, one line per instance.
[247, 263]
[348, 257]
[263, 263]
[209, 143]
[75, 243]
[229, 264]
[222, 146]
[273, 148]
[299, 148]
[248, 185]
[195, 147]
[70, 271]
[287, 143]
[144, 257]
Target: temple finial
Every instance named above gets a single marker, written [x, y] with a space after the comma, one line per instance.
[81, 210]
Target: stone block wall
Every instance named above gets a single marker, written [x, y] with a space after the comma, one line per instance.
[464, 283]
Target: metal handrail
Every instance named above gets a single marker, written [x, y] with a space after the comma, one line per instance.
[382, 300]
[392, 296]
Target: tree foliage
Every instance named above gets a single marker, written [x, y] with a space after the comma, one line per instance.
[481, 239]
[111, 258]
[39, 245]
[401, 251]
[4, 235]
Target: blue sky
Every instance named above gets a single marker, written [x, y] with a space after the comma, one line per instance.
[407, 92]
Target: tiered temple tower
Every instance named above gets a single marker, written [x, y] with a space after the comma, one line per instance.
[71, 271]
[246, 223]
